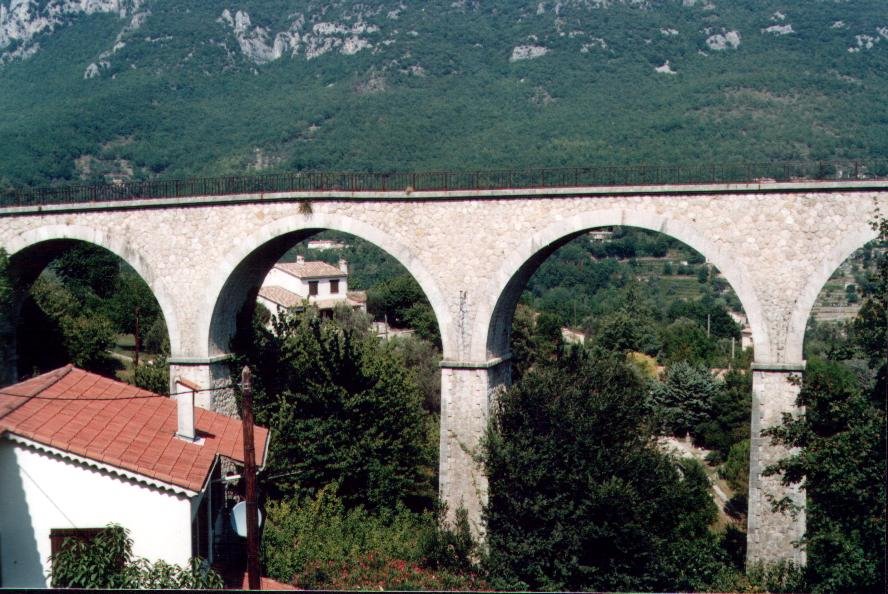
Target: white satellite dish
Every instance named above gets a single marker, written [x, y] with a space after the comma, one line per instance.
[239, 518]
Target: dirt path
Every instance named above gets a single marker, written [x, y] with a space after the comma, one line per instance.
[721, 492]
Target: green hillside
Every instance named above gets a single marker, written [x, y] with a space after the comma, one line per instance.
[163, 88]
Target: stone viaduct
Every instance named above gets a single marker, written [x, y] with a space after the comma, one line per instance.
[472, 251]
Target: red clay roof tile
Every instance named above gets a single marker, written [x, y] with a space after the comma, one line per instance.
[310, 269]
[121, 425]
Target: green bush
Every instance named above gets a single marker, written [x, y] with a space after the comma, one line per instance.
[153, 375]
[778, 576]
[316, 542]
[735, 470]
[107, 561]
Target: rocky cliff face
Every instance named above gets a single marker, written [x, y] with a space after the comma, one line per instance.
[308, 37]
[310, 29]
[22, 22]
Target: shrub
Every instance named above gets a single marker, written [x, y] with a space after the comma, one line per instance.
[107, 561]
[153, 375]
[318, 543]
[778, 576]
[735, 470]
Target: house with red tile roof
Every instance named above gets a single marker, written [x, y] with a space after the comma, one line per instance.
[79, 451]
[294, 284]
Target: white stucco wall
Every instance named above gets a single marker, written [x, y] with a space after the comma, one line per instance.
[279, 278]
[40, 491]
[324, 288]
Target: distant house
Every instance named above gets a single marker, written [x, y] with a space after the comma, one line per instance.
[293, 284]
[601, 234]
[745, 330]
[746, 341]
[325, 244]
[79, 451]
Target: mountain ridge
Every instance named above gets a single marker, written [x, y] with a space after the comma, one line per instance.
[101, 90]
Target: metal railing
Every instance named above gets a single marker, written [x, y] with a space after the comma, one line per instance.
[319, 181]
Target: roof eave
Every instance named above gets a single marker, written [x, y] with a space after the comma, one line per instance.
[116, 470]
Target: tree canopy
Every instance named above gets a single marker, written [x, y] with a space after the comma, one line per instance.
[580, 497]
[342, 410]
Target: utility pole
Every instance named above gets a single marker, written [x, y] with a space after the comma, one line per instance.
[250, 482]
[137, 347]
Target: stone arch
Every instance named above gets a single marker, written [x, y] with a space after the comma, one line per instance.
[113, 243]
[245, 265]
[493, 325]
[798, 321]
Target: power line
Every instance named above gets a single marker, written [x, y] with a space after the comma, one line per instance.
[111, 398]
[282, 475]
[45, 494]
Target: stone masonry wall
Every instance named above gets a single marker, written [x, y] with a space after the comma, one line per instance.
[773, 535]
[467, 397]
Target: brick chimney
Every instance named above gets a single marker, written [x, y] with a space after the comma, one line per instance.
[300, 259]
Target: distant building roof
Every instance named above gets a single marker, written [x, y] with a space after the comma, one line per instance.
[332, 303]
[325, 244]
[311, 269]
[120, 425]
[280, 295]
[357, 296]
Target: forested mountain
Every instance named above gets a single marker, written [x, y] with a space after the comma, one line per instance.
[99, 90]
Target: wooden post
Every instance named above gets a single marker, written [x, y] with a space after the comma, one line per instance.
[250, 482]
[137, 346]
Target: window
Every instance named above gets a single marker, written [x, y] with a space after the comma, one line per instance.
[312, 288]
[58, 536]
[334, 287]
